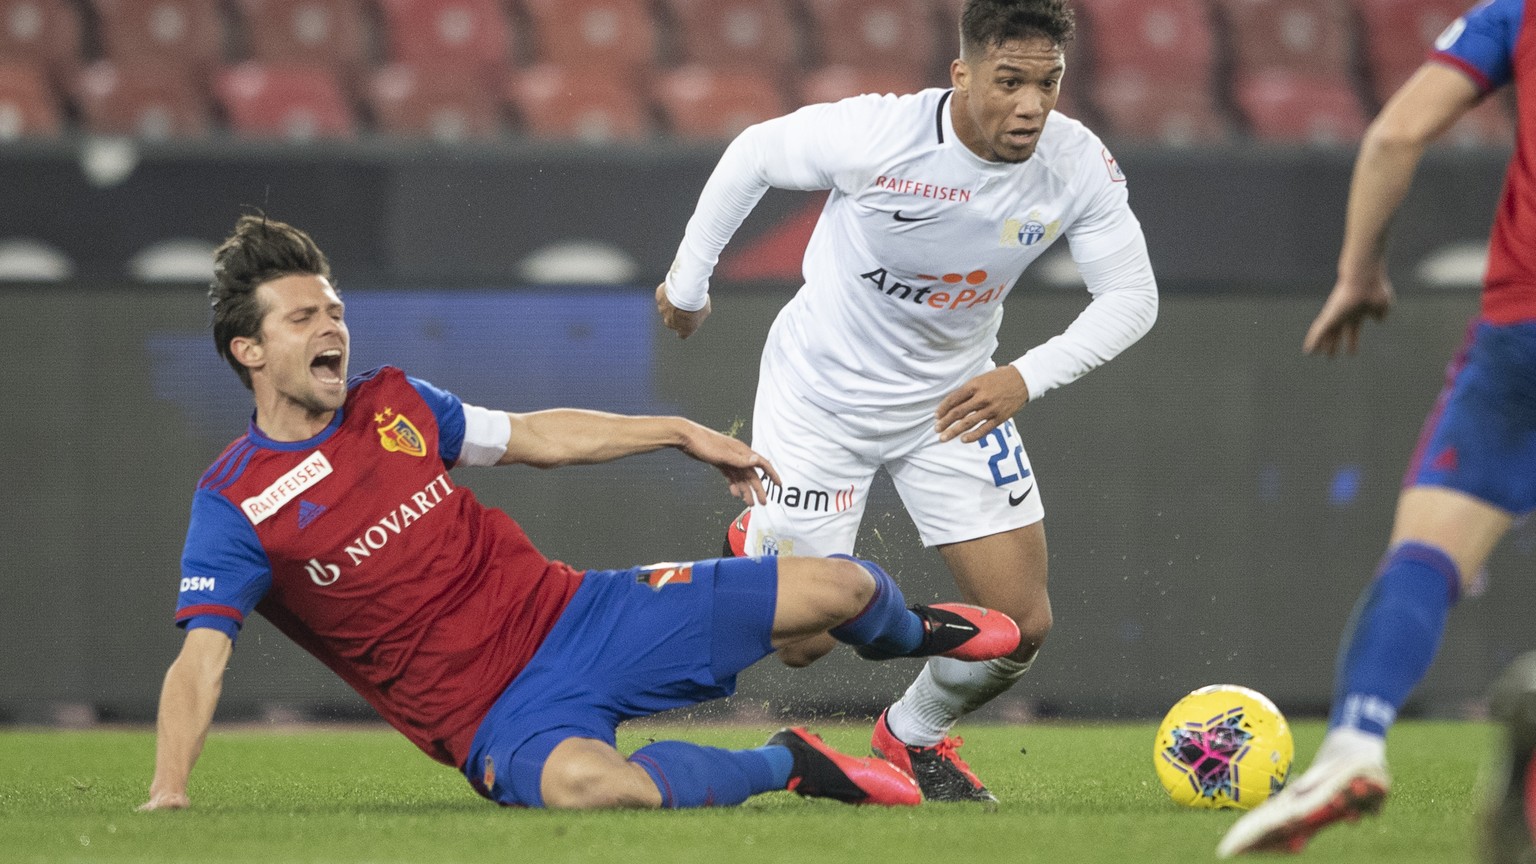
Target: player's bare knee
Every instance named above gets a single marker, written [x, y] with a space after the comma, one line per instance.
[851, 588]
[1034, 627]
[586, 775]
[578, 785]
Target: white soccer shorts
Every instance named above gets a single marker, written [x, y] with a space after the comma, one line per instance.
[952, 491]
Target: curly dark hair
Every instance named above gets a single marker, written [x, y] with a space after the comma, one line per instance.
[259, 251]
[988, 23]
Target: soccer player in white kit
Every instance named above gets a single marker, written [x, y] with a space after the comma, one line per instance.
[938, 202]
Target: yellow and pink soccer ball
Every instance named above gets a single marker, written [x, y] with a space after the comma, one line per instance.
[1223, 746]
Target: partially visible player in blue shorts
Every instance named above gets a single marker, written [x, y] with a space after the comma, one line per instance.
[1475, 467]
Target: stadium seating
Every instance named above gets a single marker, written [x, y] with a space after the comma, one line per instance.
[580, 103]
[315, 32]
[1169, 71]
[147, 99]
[1151, 67]
[699, 102]
[470, 37]
[831, 83]
[618, 35]
[187, 32]
[1300, 109]
[28, 107]
[873, 33]
[1145, 109]
[1304, 37]
[45, 31]
[1293, 69]
[755, 34]
[426, 102]
[284, 101]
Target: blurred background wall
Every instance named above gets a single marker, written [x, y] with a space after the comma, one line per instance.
[501, 184]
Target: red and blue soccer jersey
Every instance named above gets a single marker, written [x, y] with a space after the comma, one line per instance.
[358, 546]
[1495, 44]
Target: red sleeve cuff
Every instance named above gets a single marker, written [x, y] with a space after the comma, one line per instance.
[222, 611]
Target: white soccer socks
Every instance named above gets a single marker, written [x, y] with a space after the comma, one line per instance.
[945, 691]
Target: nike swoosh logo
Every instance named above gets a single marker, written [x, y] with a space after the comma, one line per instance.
[900, 218]
[1014, 502]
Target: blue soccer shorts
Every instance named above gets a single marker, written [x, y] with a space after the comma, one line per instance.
[631, 643]
[1480, 438]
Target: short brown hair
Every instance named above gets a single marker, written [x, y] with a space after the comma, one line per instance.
[988, 23]
[259, 251]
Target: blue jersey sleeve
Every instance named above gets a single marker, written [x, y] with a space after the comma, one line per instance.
[449, 411]
[1481, 43]
[224, 571]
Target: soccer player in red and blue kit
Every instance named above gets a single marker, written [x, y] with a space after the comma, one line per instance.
[1475, 467]
[336, 518]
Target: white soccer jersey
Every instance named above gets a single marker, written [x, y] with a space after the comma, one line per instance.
[919, 243]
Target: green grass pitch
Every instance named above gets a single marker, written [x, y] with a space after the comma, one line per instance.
[1070, 793]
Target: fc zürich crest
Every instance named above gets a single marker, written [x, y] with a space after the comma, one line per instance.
[398, 434]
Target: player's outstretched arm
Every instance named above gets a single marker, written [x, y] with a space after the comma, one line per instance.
[1432, 100]
[187, 699]
[571, 436]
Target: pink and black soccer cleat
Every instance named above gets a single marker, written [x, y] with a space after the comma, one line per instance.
[957, 630]
[821, 772]
[938, 770]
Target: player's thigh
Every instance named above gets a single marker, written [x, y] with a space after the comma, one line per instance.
[629, 644]
[1475, 466]
[957, 492]
[825, 473]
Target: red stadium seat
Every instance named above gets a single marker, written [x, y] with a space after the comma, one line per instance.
[1172, 42]
[284, 101]
[1399, 34]
[874, 33]
[1297, 109]
[1151, 69]
[734, 33]
[314, 32]
[1145, 108]
[46, 31]
[1303, 37]
[610, 34]
[831, 83]
[579, 103]
[409, 100]
[702, 103]
[147, 99]
[188, 32]
[28, 107]
[470, 36]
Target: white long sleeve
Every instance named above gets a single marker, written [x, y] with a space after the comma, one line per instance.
[1124, 308]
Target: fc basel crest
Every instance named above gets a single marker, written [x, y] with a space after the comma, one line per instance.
[398, 434]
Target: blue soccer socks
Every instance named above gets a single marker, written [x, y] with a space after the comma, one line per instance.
[692, 775]
[1393, 636]
[886, 624]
